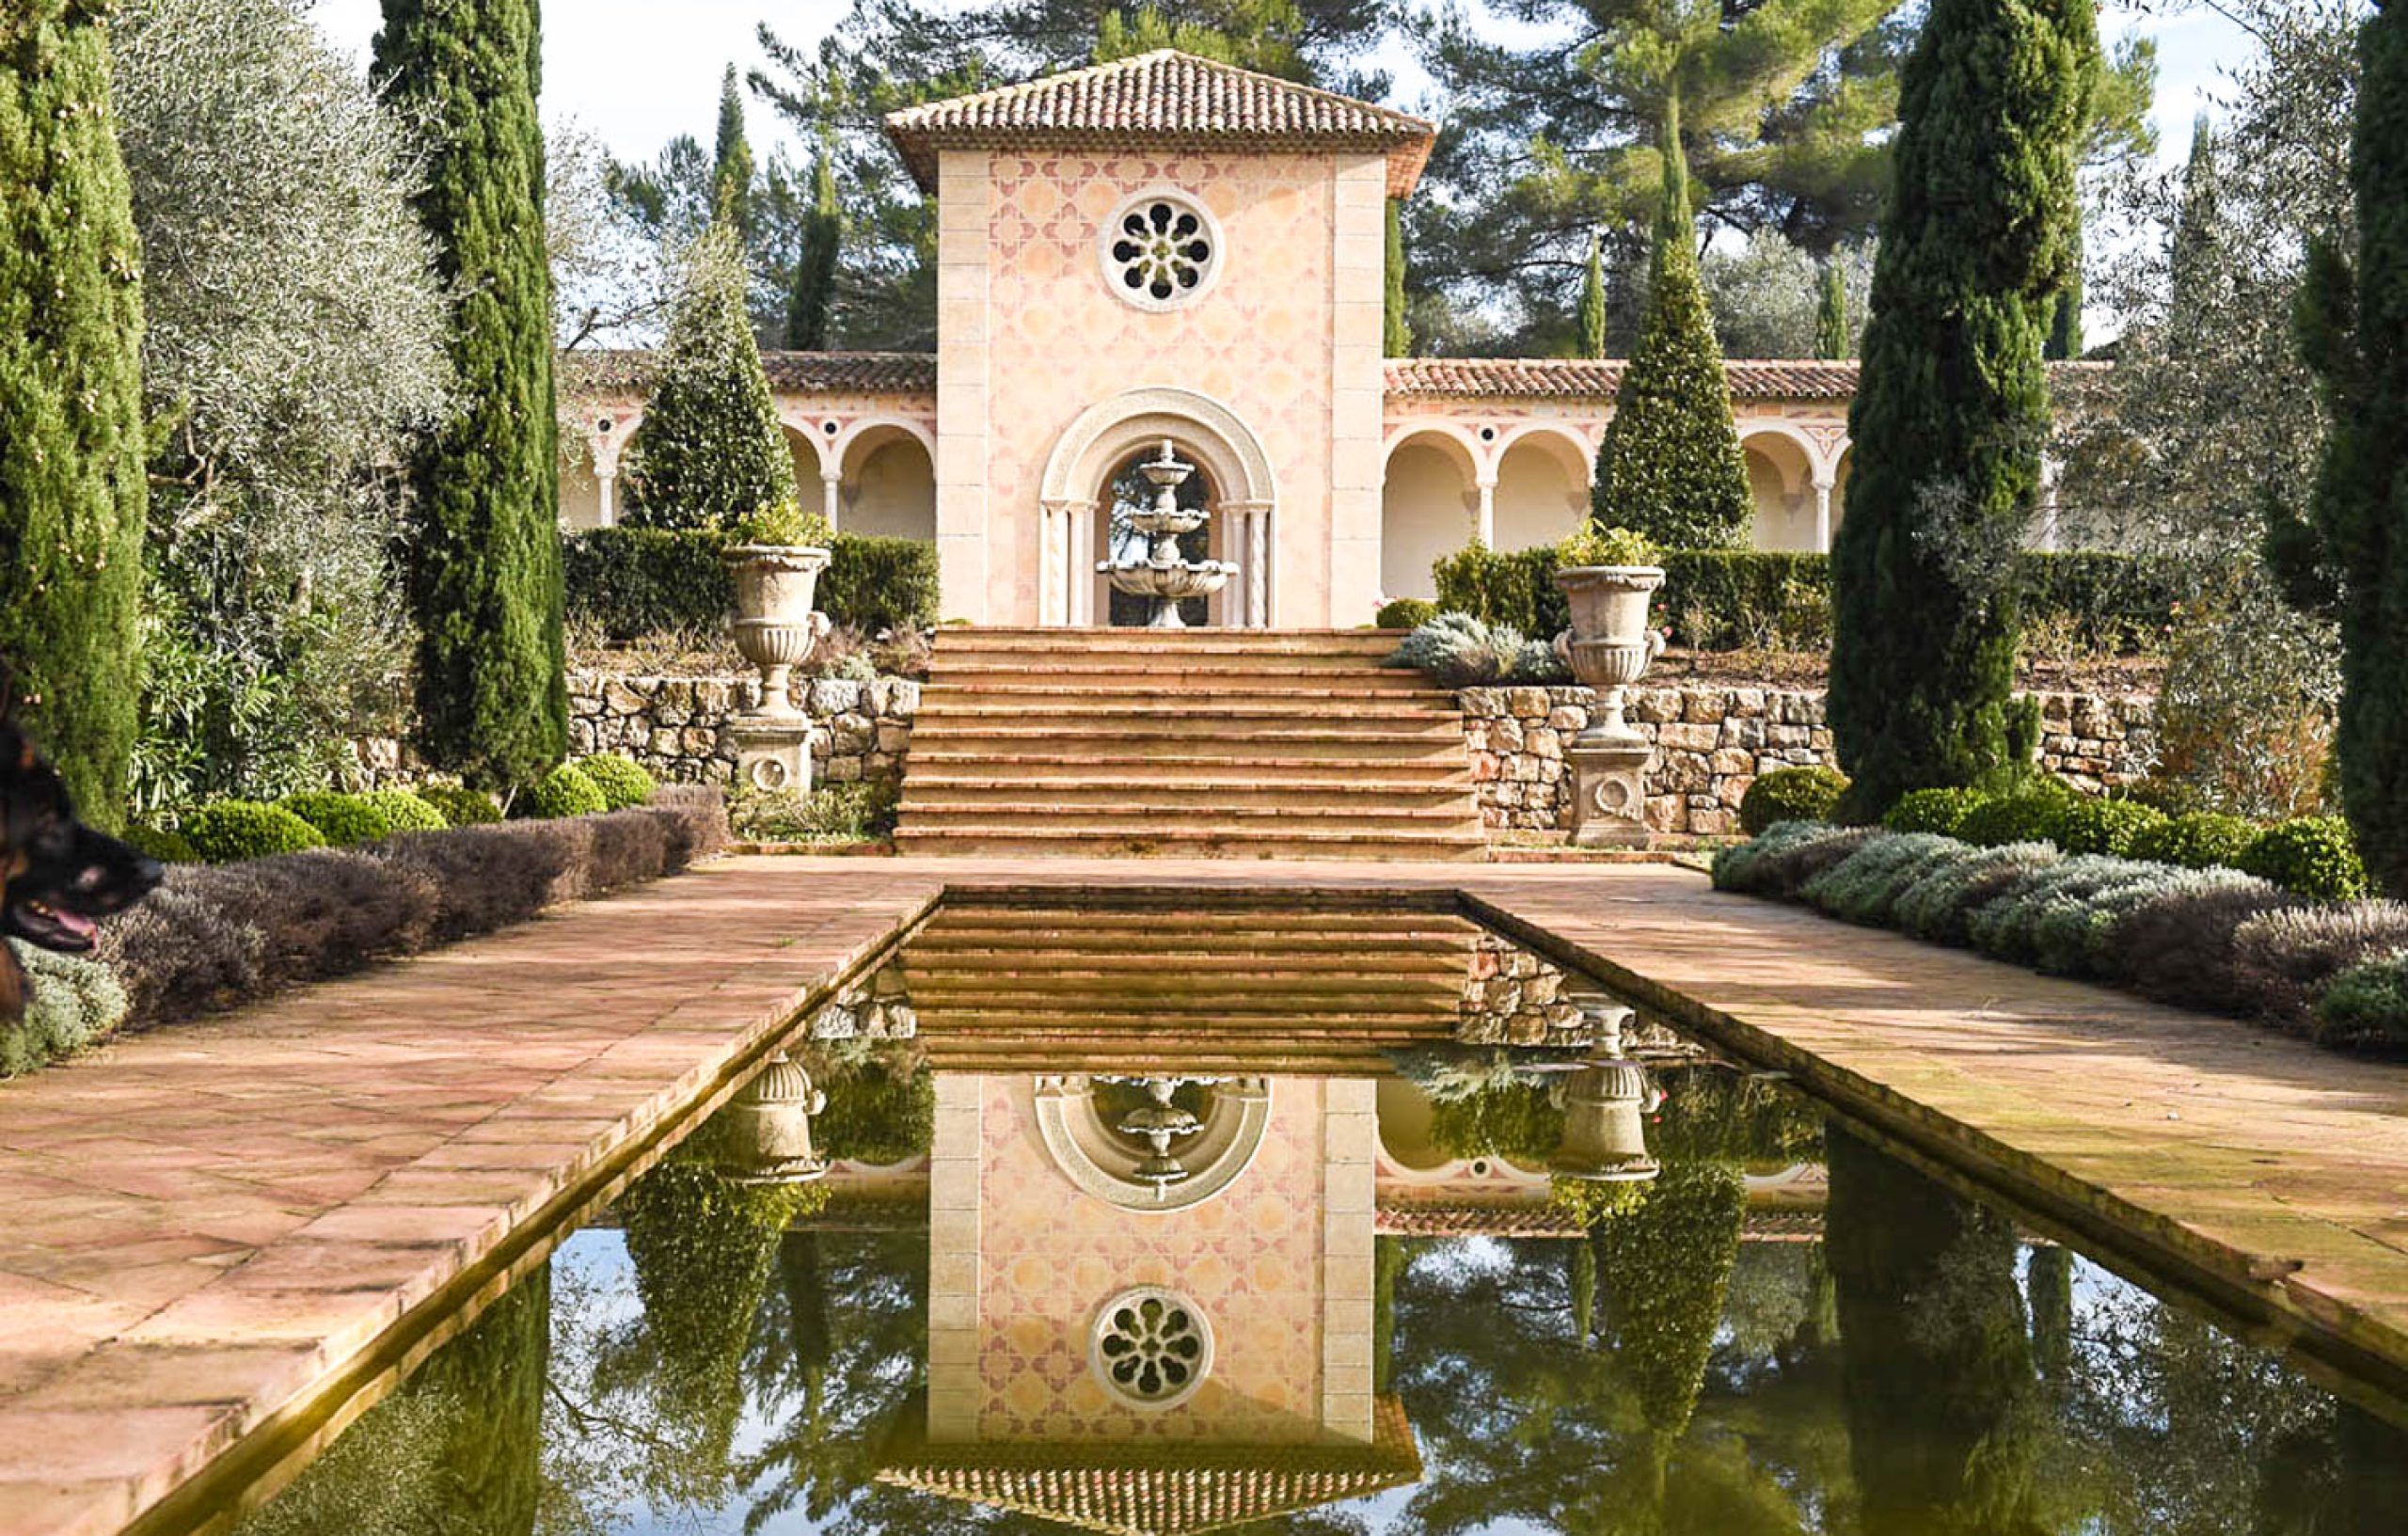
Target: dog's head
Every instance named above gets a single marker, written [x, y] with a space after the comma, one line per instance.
[61, 876]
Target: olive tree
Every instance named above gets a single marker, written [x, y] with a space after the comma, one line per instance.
[293, 347]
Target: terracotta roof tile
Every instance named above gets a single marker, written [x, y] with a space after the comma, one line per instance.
[1589, 378]
[800, 372]
[1402, 1218]
[1165, 95]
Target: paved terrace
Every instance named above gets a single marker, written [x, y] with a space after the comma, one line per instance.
[211, 1231]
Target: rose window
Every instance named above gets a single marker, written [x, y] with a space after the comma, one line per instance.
[1151, 1347]
[1161, 250]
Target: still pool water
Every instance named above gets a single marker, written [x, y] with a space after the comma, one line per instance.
[1318, 1219]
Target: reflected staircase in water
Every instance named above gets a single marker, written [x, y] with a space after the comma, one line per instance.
[1217, 989]
[1215, 743]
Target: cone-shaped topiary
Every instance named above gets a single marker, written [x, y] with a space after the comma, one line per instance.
[485, 553]
[1670, 465]
[72, 491]
[2353, 326]
[710, 452]
[1951, 407]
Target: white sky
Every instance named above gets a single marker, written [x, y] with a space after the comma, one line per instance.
[638, 73]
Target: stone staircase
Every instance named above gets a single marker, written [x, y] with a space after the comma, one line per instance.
[1225, 987]
[1209, 743]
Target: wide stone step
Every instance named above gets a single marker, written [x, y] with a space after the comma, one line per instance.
[1017, 753]
[1103, 1023]
[1033, 666]
[1199, 716]
[1174, 796]
[1199, 988]
[1172, 815]
[987, 839]
[1134, 689]
[1374, 643]
[1118, 1057]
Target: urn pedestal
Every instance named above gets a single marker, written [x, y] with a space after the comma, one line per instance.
[1609, 647]
[775, 630]
[765, 1131]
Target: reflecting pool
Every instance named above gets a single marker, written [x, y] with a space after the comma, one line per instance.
[1315, 1219]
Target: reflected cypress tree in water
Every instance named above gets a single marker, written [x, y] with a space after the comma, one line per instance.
[1666, 1267]
[1942, 1404]
[456, 1450]
[2048, 1275]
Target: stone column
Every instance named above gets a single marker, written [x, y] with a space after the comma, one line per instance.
[606, 477]
[1822, 517]
[1057, 569]
[831, 498]
[1485, 520]
[1247, 542]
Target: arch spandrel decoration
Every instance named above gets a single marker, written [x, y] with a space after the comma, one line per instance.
[1099, 1163]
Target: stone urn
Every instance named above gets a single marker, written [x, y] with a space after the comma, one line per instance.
[775, 630]
[1610, 646]
[765, 1131]
[1605, 1130]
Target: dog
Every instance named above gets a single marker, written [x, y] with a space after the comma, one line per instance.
[58, 878]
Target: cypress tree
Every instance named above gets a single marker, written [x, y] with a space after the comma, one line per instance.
[732, 163]
[72, 496]
[2198, 272]
[485, 551]
[1831, 318]
[1593, 301]
[1396, 336]
[1670, 465]
[815, 269]
[710, 452]
[2354, 327]
[2065, 324]
[1951, 407]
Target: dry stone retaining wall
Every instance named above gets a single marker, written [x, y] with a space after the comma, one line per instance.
[677, 726]
[1712, 742]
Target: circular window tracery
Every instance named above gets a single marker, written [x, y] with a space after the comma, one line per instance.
[1161, 250]
[1151, 1347]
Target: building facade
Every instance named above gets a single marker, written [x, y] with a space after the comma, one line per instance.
[1169, 249]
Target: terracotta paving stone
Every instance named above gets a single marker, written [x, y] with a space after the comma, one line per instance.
[209, 1224]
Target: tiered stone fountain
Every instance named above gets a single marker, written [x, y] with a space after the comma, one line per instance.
[1164, 577]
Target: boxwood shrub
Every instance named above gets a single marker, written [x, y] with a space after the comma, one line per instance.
[231, 829]
[1405, 613]
[2196, 840]
[461, 806]
[1791, 794]
[343, 820]
[621, 779]
[2311, 856]
[1941, 811]
[2029, 814]
[2105, 826]
[2365, 1006]
[564, 792]
[406, 811]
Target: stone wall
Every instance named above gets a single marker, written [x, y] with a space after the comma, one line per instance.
[677, 726]
[1712, 742]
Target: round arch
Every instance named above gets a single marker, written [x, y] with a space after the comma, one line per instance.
[1109, 433]
[1429, 495]
[1084, 1150]
[1784, 467]
[877, 431]
[1444, 438]
[1575, 453]
[1544, 472]
[886, 478]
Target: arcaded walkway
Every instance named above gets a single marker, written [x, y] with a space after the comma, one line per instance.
[206, 1229]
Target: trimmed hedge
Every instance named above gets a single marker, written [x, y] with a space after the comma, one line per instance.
[2314, 856]
[348, 820]
[2209, 938]
[621, 779]
[631, 582]
[2198, 840]
[1941, 811]
[461, 806]
[564, 792]
[218, 936]
[1721, 600]
[1405, 613]
[1791, 794]
[229, 829]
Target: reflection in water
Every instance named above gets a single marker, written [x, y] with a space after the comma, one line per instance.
[1397, 1304]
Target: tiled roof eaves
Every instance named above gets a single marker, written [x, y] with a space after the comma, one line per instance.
[1600, 379]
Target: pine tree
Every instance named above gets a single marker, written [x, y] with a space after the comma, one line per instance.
[1396, 335]
[485, 553]
[732, 161]
[73, 494]
[710, 454]
[815, 268]
[1670, 465]
[1592, 300]
[2353, 326]
[1952, 408]
[1830, 317]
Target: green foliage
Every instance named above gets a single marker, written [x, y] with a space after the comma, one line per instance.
[164, 844]
[72, 491]
[1396, 331]
[1518, 1118]
[631, 582]
[461, 806]
[565, 791]
[1593, 301]
[1785, 856]
[2353, 326]
[2010, 927]
[1941, 811]
[1665, 1269]
[484, 572]
[814, 267]
[1791, 794]
[1670, 464]
[710, 454]
[1405, 613]
[2315, 857]
[732, 161]
[1831, 314]
[2107, 826]
[1455, 650]
[2198, 840]
[226, 831]
[861, 812]
[621, 779]
[1594, 544]
[2365, 1006]
[408, 810]
[1863, 887]
[1952, 412]
[1589, 1201]
[73, 1002]
[343, 820]
[2033, 812]
[1940, 902]
[881, 1113]
[1516, 590]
